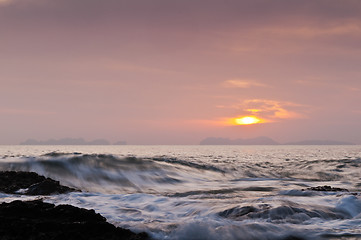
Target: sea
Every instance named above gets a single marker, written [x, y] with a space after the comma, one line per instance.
[205, 192]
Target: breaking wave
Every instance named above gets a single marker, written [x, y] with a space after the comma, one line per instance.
[91, 172]
[192, 192]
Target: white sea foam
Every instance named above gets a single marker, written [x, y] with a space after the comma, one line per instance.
[199, 192]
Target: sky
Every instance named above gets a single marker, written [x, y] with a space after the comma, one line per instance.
[176, 72]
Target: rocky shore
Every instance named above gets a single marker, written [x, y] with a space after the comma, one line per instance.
[39, 220]
[30, 183]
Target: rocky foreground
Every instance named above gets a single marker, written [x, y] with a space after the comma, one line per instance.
[30, 183]
[44, 221]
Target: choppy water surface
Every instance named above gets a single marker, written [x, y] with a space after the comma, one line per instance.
[206, 192]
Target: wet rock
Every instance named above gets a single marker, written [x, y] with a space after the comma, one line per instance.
[292, 237]
[326, 189]
[30, 183]
[237, 212]
[39, 220]
[47, 187]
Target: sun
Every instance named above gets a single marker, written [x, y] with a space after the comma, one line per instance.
[247, 120]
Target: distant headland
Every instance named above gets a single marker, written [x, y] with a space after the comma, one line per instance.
[207, 141]
[71, 141]
[266, 141]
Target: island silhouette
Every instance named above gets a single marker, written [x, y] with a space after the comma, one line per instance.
[71, 141]
[266, 141]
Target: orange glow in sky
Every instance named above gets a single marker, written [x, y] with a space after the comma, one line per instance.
[177, 72]
[247, 120]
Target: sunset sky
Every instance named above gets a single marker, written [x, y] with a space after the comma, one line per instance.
[176, 72]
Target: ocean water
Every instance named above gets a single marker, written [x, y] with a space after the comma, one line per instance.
[206, 192]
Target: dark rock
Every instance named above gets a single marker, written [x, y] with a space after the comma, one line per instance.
[237, 212]
[47, 187]
[34, 184]
[39, 220]
[292, 237]
[326, 189]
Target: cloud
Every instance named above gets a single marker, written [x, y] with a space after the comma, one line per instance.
[273, 110]
[267, 111]
[243, 83]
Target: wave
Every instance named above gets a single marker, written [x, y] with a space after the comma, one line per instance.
[299, 170]
[282, 214]
[91, 172]
[106, 172]
[59, 154]
[199, 198]
[206, 192]
[208, 230]
[222, 191]
[347, 207]
[189, 164]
